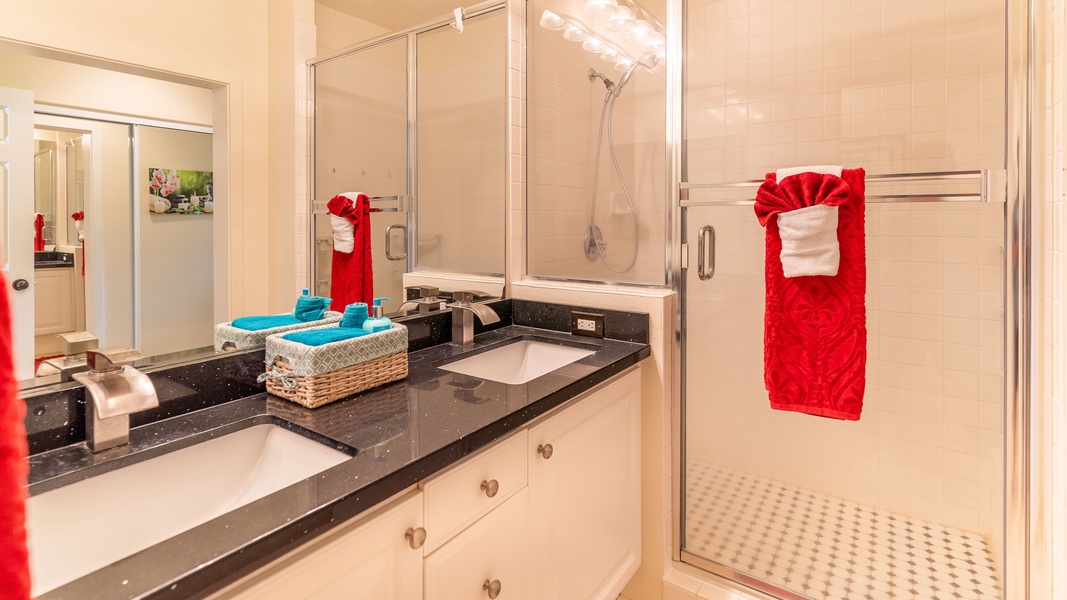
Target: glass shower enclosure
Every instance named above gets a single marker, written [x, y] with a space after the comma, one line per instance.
[910, 500]
[415, 120]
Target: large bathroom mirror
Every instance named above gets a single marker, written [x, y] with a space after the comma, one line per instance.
[426, 142]
[105, 261]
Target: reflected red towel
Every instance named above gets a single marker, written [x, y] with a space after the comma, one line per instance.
[815, 328]
[38, 232]
[14, 558]
[352, 276]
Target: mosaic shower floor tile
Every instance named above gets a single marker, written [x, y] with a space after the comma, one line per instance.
[826, 548]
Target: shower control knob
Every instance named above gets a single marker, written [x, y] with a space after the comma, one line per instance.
[20, 285]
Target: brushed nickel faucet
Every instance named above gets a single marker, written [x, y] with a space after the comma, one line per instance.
[116, 390]
[464, 309]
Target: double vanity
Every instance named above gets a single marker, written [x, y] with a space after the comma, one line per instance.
[506, 469]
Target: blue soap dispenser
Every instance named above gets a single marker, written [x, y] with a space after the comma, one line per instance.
[377, 321]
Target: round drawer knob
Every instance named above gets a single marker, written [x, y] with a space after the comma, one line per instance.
[492, 588]
[416, 537]
[545, 450]
[490, 487]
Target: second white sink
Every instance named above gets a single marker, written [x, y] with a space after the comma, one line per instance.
[518, 362]
[81, 527]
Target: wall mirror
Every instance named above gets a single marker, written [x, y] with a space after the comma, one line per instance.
[99, 259]
[426, 141]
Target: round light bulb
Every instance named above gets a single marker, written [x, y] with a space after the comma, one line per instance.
[621, 20]
[573, 34]
[623, 64]
[591, 44]
[600, 8]
[609, 55]
[552, 21]
[639, 33]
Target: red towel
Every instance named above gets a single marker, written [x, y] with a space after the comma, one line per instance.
[815, 328]
[352, 276]
[14, 558]
[38, 232]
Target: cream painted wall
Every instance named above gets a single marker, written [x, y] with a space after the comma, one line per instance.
[336, 30]
[175, 251]
[72, 85]
[227, 48]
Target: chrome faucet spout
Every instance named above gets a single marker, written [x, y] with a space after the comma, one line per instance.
[116, 390]
[464, 309]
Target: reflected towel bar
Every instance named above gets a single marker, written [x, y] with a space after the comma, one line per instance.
[318, 206]
[993, 188]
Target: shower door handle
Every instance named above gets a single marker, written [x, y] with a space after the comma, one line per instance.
[706, 253]
[389, 241]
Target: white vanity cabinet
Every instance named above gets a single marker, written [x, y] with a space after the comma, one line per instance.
[551, 512]
[370, 558]
[55, 308]
[585, 495]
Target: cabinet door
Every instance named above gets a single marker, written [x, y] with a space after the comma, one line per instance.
[490, 557]
[585, 497]
[368, 560]
[55, 301]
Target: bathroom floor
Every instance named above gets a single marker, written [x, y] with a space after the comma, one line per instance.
[827, 548]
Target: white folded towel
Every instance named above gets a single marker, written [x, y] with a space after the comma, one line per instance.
[809, 235]
[344, 232]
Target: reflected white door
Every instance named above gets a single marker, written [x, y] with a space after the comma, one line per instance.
[16, 219]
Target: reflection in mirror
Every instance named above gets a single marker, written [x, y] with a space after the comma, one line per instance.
[103, 266]
[430, 155]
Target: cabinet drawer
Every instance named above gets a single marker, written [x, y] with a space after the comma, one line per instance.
[492, 552]
[459, 497]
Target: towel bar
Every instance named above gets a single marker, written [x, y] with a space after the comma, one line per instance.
[992, 188]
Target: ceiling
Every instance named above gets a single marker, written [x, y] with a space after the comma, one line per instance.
[395, 15]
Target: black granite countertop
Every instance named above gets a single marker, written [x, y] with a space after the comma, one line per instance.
[402, 433]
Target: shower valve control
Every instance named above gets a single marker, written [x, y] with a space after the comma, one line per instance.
[588, 324]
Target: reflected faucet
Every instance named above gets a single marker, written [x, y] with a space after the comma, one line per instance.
[116, 390]
[464, 309]
[427, 300]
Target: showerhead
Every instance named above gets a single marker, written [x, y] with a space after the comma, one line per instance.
[624, 80]
[594, 75]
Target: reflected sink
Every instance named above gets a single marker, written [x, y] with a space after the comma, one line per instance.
[79, 528]
[517, 362]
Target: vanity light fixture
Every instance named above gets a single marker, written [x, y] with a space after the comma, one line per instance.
[600, 8]
[647, 41]
[574, 34]
[640, 33]
[621, 20]
[552, 21]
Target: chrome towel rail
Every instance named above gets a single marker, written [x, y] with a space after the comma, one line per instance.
[905, 187]
[318, 205]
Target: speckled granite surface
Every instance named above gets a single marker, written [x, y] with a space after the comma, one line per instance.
[400, 433]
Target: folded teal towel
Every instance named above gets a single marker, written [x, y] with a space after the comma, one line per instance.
[355, 315]
[310, 308]
[319, 337]
[264, 322]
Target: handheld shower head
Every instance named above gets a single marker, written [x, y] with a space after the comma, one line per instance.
[624, 80]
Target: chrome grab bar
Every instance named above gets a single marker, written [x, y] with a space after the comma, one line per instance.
[706, 247]
[318, 205]
[389, 241]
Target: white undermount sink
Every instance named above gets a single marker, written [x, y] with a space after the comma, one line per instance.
[79, 528]
[518, 362]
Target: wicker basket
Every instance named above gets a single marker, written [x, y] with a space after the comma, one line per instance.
[313, 391]
[315, 375]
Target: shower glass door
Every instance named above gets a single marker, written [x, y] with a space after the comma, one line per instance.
[908, 501]
[361, 145]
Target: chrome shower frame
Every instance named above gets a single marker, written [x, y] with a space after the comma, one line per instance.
[1020, 517]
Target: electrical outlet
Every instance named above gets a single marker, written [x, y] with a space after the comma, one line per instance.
[588, 324]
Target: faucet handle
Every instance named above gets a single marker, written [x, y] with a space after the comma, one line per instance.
[111, 359]
[462, 297]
